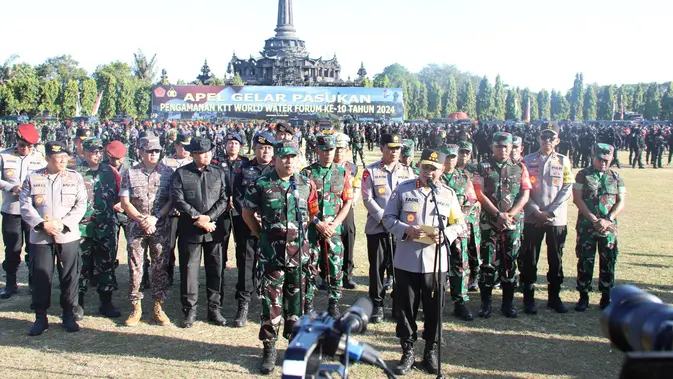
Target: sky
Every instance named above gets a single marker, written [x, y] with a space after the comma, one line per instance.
[530, 43]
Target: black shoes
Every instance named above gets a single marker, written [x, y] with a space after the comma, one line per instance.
[430, 359]
[583, 303]
[529, 306]
[268, 357]
[308, 306]
[10, 287]
[508, 300]
[69, 323]
[605, 301]
[40, 326]
[241, 314]
[377, 314]
[408, 359]
[215, 317]
[78, 310]
[106, 308]
[554, 300]
[349, 284]
[333, 308]
[190, 319]
[388, 283]
[461, 311]
[486, 300]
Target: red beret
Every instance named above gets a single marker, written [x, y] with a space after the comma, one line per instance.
[28, 133]
[116, 149]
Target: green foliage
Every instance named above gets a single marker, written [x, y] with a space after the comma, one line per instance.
[215, 81]
[144, 69]
[525, 94]
[69, 99]
[560, 107]
[667, 103]
[434, 100]
[606, 103]
[117, 69]
[485, 100]
[7, 100]
[513, 106]
[366, 82]
[590, 104]
[382, 81]
[237, 81]
[534, 109]
[499, 100]
[108, 84]
[49, 90]
[62, 68]
[467, 101]
[89, 95]
[638, 99]
[450, 98]
[142, 100]
[125, 100]
[577, 98]
[652, 102]
[544, 104]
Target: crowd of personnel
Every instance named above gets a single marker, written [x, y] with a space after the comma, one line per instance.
[497, 189]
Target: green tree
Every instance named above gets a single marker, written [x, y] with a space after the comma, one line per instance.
[590, 104]
[485, 106]
[108, 106]
[144, 69]
[560, 107]
[652, 102]
[638, 99]
[577, 98]
[215, 81]
[512, 106]
[607, 103]
[49, 90]
[26, 87]
[667, 103]
[69, 105]
[382, 82]
[117, 69]
[467, 102]
[534, 109]
[9, 104]
[237, 81]
[434, 100]
[6, 68]
[422, 100]
[450, 100]
[397, 75]
[142, 100]
[544, 104]
[126, 97]
[499, 100]
[367, 83]
[63, 68]
[525, 95]
[89, 95]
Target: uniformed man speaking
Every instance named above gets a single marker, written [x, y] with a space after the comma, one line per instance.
[418, 277]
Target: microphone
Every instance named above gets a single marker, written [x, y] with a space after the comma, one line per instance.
[293, 187]
[358, 351]
[356, 316]
[432, 186]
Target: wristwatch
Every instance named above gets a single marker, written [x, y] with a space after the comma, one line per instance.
[158, 215]
[316, 220]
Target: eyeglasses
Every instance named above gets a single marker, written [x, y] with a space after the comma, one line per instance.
[153, 151]
[96, 152]
[548, 137]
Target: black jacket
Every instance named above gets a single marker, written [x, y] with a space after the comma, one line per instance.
[197, 193]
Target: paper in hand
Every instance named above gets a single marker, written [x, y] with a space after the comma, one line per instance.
[428, 229]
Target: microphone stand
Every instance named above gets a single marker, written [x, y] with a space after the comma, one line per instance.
[438, 268]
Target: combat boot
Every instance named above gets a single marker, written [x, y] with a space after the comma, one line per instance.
[78, 310]
[529, 306]
[377, 313]
[190, 318]
[605, 300]
[430, 359]
[158, 314]
[136, 314]
[508, 300]
[308, 306]
[40, 326]
[106, 308]
[215, 317]
[473, 285]
[408, 359]
[268, 357]
[388, 283]
[333, 308]
[554, 300]
[486, 299]
[583, 303]
[69, 323]
[241, 314]
[10, 287]
[461, 311]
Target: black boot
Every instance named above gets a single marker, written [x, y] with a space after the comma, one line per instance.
[349, 283]
[529, 306]
[430, 360]
[190, 318]
[69, 323]
[583, 303]
[461, 311]
[377, 314]
[106, 308]
[605, 300]
[486, 299]
[554, 300]
[215, 317]
[473, 285]
[241, 314]
[40, 326]
[333, 308]
[308, 306]
[268, 357]
[508, 300]
[78, 310]
[407, 360]
[388, 283]
[10, 287]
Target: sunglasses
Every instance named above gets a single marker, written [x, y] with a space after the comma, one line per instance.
[548, 137]
[153, 151]
[96, 152]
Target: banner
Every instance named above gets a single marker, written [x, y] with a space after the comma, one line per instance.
[260, 102]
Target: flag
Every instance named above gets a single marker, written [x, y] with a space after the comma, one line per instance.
[96, 105]
[528, 110]
[78, 107]
[517, 110]
[614, 109]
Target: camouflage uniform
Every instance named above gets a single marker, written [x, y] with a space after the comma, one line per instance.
[148, 192]
[599, 192]
[281, 256]
[99, 237]
[333, 188]
[472, 220]
[358, 142]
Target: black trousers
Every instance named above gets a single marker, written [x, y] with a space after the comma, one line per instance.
[532, 241]
[173, 238]
[380, 248]
[246, 259]
[14, 233]
[348, 239]
[190, 263]
[410, 289]
[68, 262]
[226, 222]
[637, 158]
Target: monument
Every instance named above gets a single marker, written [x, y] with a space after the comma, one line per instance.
[286, 62]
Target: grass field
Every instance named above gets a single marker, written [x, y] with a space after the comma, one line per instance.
[544, 345]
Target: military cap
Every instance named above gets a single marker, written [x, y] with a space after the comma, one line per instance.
[83, 133]
[28, 133]
[93, 143]
[116, 149]
[283, 148]
[199, 145]
[517, 141]
[433, 157]
[55, 147]
[603, 151]
[341, 140]
[183, 139]
[449, 150]
[264, 138]
[284, 127]
[407, 148]
[149, 143]
[233, 136]
[465, 145]
[325, 142]
[391, 140]
[502, 137]
[552, 127]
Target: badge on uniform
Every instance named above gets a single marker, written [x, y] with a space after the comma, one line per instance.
[556, 181]
[381, 190]
[9, 172]
[556, 171]
[411, 217]
[39, 200]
